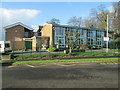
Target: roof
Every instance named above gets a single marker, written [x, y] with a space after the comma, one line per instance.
[77, 27]
[18, 23]
[58, 25]
[41, 36]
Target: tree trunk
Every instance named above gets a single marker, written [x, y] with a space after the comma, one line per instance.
[70, 50]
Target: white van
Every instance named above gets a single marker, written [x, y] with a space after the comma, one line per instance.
[5, 47]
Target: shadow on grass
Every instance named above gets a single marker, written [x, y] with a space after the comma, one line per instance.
[7, 63]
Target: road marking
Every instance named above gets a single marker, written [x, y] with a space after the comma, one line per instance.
[110, 63]
[56, 64]
[35, 66]
[65, 65]
[102, 63]
[11, 66]
[29, 65]
[73, 64]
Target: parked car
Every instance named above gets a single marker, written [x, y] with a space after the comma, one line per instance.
[5, 47]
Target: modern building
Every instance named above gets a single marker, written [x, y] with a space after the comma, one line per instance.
[93, 37]
[22, 37]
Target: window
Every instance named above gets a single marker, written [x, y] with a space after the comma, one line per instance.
[89, 33]
[0, 46]
[98, 42]
[82, 32]
[56, 40]
[61, 41]
[90, 41]
[98, 34]
[26, 34]
[80, 41]
[59, 31]
[7, 45]
[66, 29]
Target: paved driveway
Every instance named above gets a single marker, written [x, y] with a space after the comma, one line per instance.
[74, 75]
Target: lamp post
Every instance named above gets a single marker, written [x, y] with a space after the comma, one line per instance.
[107, 33]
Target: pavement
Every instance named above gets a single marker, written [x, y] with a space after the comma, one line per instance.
[42, 52]
[61, 75]
[34, 52]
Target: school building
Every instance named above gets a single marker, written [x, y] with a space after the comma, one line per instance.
[22, 36]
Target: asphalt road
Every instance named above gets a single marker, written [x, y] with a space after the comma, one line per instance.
[61, 76]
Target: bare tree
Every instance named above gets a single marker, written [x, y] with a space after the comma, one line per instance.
[115, 16]
[54, 21]
[90, 23]
[72, 38]
[100, 14]
[75, 21]
[116, 23]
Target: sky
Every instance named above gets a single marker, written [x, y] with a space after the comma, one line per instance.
[37, 13]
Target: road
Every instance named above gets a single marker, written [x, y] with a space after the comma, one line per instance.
[61, 75]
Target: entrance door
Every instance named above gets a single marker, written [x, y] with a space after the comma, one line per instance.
[28, 45]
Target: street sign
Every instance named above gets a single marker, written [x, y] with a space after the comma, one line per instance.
[106, 38]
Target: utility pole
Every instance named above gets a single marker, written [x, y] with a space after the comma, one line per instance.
[107, 33]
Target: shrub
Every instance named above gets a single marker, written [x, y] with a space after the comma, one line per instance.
[52, 49]
[84, 46]
[28, 56]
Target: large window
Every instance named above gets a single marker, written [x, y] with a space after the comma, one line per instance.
[98, 34]
[59, 40]
[89, 33]
[80, 31]
[59, 31]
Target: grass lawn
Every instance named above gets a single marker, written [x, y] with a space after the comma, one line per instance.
[93, 54]
[70, 60]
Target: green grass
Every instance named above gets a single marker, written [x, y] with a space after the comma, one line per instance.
[92, 54]
[116, 50]
[70, 60]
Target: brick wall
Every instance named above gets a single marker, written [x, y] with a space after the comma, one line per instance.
[15, 35]
[48, 31]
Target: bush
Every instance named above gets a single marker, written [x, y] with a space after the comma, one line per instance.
[84, 46]
[52, 49]
[28, 56]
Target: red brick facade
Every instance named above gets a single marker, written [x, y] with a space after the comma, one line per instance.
[16, 34]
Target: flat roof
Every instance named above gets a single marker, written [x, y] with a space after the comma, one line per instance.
[58, 25]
